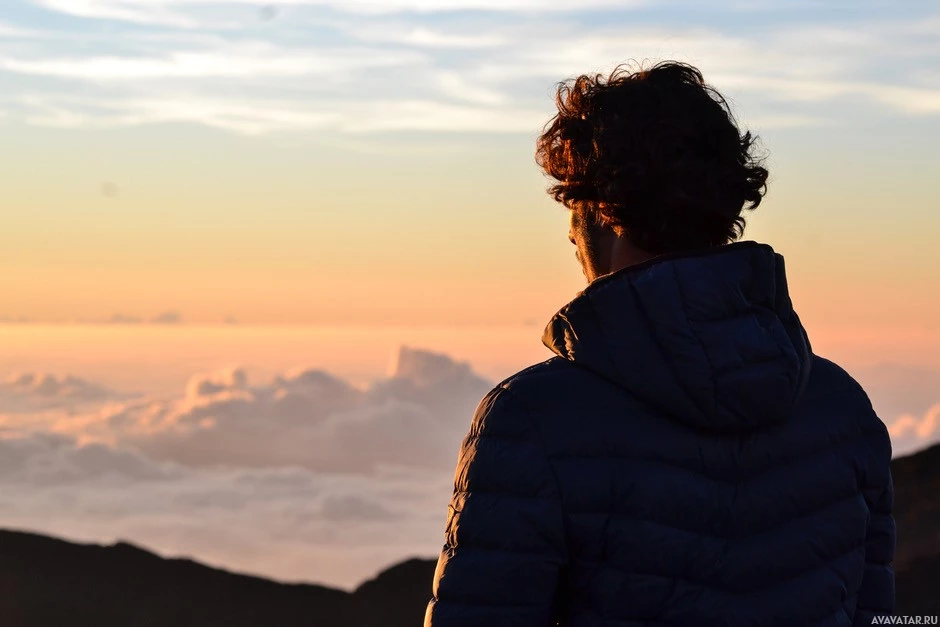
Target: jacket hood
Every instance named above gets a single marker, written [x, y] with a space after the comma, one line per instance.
[709, 337]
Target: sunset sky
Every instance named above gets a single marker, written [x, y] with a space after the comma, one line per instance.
[346, 178]
[372, 162]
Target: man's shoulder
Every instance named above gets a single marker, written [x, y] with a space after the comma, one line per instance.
[828, 378]
[836, 392]
[535, 373]
[553, 390]
[541, 381]
[545, 384]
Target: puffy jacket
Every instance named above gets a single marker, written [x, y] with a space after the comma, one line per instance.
[684, 459]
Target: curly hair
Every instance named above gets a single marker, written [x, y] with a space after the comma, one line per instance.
[654, 154]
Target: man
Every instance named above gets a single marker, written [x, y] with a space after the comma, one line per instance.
[684, 459]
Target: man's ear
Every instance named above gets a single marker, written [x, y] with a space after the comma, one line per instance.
[606, 224]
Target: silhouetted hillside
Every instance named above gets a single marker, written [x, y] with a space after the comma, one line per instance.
[45, 581]
[917, 514]
[917, 505]
[398, 596]
[918, 587]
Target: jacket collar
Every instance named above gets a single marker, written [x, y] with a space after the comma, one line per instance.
[708, 336]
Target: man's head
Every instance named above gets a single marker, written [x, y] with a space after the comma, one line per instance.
[648, 162]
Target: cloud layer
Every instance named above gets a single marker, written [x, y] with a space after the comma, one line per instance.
[308, 418]
[416, 65]
[301, 477]
[283, 522]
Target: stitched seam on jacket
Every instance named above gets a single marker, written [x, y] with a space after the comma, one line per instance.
[755, 534]
[825, 447]
[712, 586]
[735, 368]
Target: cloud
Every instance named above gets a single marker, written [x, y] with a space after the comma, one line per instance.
[309, 418]
[287, 523]
[135, 12]
[272, 116]
[167, 317]
[411, 65]
[299, 477]
[31, 392]
[351, 507]
[415, 417]
[173, 11]
[910, 433]
[120, 318]
[304, 477]
[904, 99]
[238, 61]
[52, 459]
[906, 399]
[422, 36]
[11, 31]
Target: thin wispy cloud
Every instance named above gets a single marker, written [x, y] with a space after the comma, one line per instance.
[257, 59]
[7, 30]
[138, 9]
[418, 65]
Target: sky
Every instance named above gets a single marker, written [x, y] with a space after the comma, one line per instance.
[244, 246]
[316, 162]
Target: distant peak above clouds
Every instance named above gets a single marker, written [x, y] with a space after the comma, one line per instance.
[424, 368]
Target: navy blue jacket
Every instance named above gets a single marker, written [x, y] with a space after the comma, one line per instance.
[684, 459]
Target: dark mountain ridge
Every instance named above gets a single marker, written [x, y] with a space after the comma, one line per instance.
[47, 581]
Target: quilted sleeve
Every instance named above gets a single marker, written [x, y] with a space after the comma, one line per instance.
[876, 595]
[505, 540]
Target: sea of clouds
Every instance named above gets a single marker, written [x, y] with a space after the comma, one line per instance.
[302, 477]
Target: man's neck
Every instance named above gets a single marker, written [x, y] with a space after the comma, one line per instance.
[625, 254]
